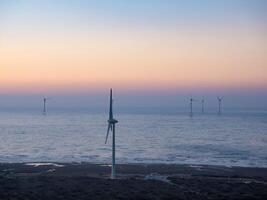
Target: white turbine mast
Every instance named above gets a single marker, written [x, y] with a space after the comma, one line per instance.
[191, 106]
[44, 105]
[111, 127]
[220, 103]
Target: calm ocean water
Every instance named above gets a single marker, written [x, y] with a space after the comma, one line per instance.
[237, 138]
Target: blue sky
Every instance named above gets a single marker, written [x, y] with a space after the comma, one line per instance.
[158, 11]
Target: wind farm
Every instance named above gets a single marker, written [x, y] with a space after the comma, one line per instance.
[81, 165]
[129, 100]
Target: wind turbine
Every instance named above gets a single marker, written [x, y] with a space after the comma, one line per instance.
[111, 126]
[202, 105]
[220, 102]
[44, 108]
[191, 106]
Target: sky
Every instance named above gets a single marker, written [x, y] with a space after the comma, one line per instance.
[153, 51]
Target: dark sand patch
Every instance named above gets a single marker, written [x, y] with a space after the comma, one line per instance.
[90, 181]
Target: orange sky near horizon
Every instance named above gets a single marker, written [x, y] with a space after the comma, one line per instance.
[166, 60]
[38, 57]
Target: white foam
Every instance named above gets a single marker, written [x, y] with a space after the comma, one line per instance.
[106, 165]
[44, 164]
[197, 167]
[156, 176]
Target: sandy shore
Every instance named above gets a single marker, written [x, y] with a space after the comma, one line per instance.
[135, 181]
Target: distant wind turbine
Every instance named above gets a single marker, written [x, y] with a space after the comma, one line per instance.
[44, 108]
[220, 103]
[191, 106]
[111, 126]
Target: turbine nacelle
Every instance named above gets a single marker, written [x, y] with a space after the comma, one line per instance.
[220, 99]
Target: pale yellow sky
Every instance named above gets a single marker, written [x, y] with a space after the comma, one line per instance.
[154, 59]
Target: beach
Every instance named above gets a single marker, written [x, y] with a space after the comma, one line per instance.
[134, 181]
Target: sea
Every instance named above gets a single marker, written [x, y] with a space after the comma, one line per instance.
[236, 137]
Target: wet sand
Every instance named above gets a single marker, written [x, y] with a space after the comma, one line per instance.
[135, 181]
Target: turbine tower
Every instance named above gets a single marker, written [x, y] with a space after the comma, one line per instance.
[191, 106]
[44, 109]
[220, 103]
[202, 105]
[111, 126]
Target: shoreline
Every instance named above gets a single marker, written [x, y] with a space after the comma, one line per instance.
[135, 168]
[134, 181]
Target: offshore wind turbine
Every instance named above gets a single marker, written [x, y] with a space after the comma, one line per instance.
[44, 105]
[111, 127]
[220, 102]
[44, 108]
[191, 106]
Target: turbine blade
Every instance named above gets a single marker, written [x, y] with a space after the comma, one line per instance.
[109, 127]
[110, 105]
